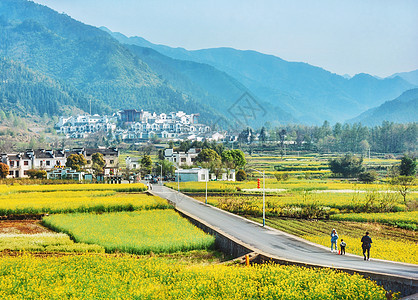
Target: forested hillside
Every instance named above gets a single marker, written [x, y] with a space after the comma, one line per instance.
[86, 59]
[400, 110]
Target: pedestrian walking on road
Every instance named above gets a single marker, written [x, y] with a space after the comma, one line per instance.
[366, 245]
[342, 247]
[334, 238]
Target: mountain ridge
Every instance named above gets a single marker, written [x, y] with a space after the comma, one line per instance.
[310, 93]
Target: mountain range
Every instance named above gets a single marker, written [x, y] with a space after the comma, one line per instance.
[403, 109]
[82, 64]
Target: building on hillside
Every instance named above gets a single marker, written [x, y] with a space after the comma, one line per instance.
[181, 158]
[65, 173]
[82, 125]
[145, 125]
[20, 163]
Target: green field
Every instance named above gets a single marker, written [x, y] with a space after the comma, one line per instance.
[134, 232]
[44, 242]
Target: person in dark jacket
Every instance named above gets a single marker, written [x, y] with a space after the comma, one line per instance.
[366, 245]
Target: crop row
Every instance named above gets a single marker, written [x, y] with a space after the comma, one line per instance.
[77, 201]
[407, 220]
[105, 277]
[133, 232]
[44, 242]
[272, 183]
[128, 188]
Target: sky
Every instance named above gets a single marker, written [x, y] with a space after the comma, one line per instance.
[378, 37]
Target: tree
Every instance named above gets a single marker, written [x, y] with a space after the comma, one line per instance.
[167, 167]
[234, 159]
[146, 164]
[263, 134]
[347, 166]
[408, 166]
[98, 163]
[368, 176]
[4, 170]
[241, 175]
[76, 162]
[208, 156]
[403, 184]
[211, 160]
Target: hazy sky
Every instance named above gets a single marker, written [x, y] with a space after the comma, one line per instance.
[378, 37]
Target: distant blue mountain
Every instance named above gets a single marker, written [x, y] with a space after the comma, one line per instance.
[403, 109]
[411, 77]
[309, 93]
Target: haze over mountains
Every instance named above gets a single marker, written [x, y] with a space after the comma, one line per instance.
[83, 64]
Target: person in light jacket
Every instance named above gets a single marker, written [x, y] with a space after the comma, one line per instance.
[334, 238]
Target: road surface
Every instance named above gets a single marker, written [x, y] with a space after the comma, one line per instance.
[280, 244]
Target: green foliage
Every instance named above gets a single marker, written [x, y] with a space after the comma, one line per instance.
[241, 175]
[36, 174]
[208, 156]
[408, 166]
[234, 158]
[76, 162]
[146, 164]
[167, 167]
[347, 166]
[4, 170]
[367, 176]
[282, 176]
[98, 163]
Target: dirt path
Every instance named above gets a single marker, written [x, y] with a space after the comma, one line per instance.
[22, 227]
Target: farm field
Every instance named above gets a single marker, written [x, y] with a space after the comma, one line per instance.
[138, 232]
[291, 185]
[313, 166]
[120, 218]
[50, 200]
[98, 277]
[44, 242]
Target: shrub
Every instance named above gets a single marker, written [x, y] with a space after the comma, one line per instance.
[368, 176]
[33, 173]
[241, 175]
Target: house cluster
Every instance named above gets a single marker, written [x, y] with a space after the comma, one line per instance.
[53, 161]
[139, 125]
[143, 125]
[82, 125]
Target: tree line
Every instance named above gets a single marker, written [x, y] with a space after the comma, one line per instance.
[388, 137]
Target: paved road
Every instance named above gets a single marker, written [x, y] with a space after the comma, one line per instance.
[280, 244]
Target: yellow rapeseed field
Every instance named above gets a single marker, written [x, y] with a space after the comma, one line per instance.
[107, 277]
[76, 201]
[402, 251]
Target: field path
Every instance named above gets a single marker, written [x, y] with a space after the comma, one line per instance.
[280, 244]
